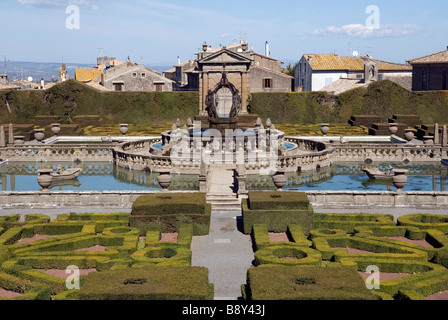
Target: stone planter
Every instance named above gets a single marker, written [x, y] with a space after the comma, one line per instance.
[124, 128]
[280, 180]
[409, 135]
[164, 179]
[393, 128]
[19, 140]
[55, 128]
[399, 179]
[39, 135]
[45, 179]
[324, 128]
[428, 140]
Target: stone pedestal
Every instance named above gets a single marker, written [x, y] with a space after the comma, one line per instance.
[2, 137]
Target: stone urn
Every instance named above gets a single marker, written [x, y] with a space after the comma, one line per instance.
[279, 179]
[39, 135]
[268, 123]
[124, 128]
[428, 140]
[19, 140]
[55, 128]
[393, 128]
[324, 128]
[409, 135]
[164, 179]
[45, 179]
[399, 179]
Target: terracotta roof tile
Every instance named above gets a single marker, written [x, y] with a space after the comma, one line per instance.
[441, 57]
[88, 74]
[335, 62]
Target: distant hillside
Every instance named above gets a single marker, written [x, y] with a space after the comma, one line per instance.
[49, 71]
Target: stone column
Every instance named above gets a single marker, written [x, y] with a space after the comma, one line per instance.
[2, 137]
[436, 134]
[445, 137]
[203, 88]
[244, 92]
[11, 134]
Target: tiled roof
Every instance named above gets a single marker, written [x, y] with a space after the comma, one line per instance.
[85, 75]
[335, 62]
[441, 57]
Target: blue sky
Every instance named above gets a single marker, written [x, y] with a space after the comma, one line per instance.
[156, 32]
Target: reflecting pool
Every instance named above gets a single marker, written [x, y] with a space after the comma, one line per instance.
[350, 177]
[22, 176]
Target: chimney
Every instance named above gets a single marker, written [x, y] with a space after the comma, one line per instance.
[178, 60]
[267, 52]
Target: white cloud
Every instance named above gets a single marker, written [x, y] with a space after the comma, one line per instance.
[87, 4]
[361, 31]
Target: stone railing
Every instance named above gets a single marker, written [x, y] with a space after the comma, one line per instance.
[380, 152]
[130, 156]
[30, 153]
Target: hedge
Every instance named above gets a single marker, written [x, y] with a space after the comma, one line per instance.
[349, 222]
[383, 98]
[276, 220]
[28, 289]
[260, 236]
[276, 255]
[424, 277]
[71, 98]
[172, 203]
[170, 223]
[305, 283]
[173, 255]
[271, 200]
[379, 249]
[425, 221]
[149, 283]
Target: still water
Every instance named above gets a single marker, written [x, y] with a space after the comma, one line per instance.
[350, 177]
[21, 176]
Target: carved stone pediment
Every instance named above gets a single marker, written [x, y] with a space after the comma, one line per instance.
[225, 56]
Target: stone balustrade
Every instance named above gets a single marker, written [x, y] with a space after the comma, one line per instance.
[29, 153]
[380, 152]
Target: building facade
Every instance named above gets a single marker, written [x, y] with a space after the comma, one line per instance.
[264, 74]
[116, 75]
[430, 72]
[317, 71]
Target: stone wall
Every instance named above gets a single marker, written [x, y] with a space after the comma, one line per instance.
[330, 200]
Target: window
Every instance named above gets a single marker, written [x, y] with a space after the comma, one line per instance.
[159, 87]
[359, 76]
[134, 75]
[267, 83]
[118, 86]
[143, 75]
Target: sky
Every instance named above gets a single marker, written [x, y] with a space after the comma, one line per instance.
[156, 32]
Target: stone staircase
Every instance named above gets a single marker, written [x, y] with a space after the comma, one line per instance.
[219, 190]
[224, 203]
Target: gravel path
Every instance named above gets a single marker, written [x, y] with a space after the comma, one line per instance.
[226, 252]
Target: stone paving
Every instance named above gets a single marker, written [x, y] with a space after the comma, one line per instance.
[226, 252]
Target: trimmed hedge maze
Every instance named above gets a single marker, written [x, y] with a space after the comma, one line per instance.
[35, 255]
[412, 260]
[410, 255]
